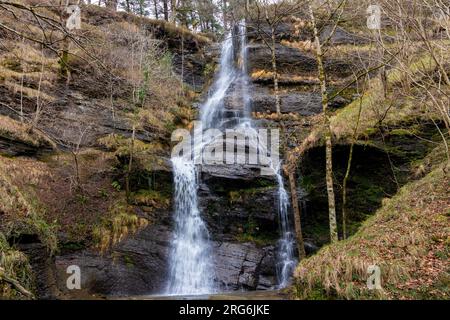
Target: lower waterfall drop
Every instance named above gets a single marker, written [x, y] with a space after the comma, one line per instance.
[286, 261]
[191, 268]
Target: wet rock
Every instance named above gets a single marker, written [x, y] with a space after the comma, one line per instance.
[342, 36]
[303, 103]
[289, 60]
[229, 214]
[234, 174]
[137, 266]
[310, 247]
[238, 265]
[12, 147]
[231, 198]
[267, 274]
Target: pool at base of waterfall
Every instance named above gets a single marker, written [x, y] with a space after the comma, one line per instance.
[233, 295]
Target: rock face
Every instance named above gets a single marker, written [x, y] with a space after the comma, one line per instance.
[294, 62]
[244, 266]
[43, 268]
[238, 204]
[137, 266]
[236, 201]
[14, 148]
[341, 36]
[304, 103]
[289, 60]
[239, 207]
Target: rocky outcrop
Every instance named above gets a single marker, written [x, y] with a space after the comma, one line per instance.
[341, 36]
[304, 103]
[137, 266]
[289, 60]
[292, 62]
[244, 266]
[12, 147]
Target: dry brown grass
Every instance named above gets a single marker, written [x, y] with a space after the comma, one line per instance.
[375, 107]
[15, 265]
[265, 75]
[121, 222]
[21, 210]
[304, 46]
[21, 132]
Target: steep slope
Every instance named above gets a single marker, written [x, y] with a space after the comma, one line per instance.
[408, 238]
[66, 139]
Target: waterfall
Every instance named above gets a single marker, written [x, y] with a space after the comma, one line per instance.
[211, 110]
[286, 261]
[191, 268]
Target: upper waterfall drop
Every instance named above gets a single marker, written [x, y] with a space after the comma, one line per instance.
[211, 110]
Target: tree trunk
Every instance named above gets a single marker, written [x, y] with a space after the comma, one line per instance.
[127, 6]
[155, 6]
[328, 134]
[383, 72]
[347, 173]
[275, 73]
[330, 189]
[166, 10]
[344, 193]
[15, 284]
[224, 13]
[173, 6]
[130, 164]
[297, 217]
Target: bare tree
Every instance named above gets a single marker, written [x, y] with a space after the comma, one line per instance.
[326, 116]
[297, 216]
[266, 17]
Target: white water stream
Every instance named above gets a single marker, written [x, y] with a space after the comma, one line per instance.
[191, 264]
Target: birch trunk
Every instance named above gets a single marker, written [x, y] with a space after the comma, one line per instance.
[328, 132]
[297, 217]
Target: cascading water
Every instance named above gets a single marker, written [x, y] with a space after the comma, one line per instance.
[191, 268]
[211, 110]
[191, 265]
[286, 260]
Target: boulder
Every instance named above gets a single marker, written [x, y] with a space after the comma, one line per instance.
[238, 266]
